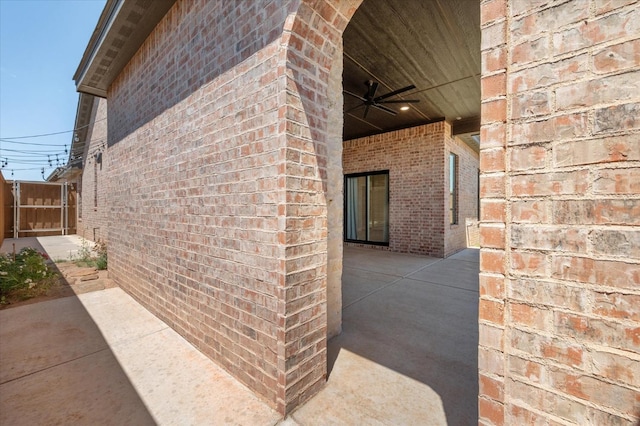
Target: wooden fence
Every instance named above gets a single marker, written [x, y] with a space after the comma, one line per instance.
[37, 209]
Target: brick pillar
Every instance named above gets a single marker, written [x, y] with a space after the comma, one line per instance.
[491, 353]
[559, 306]
[311, 175]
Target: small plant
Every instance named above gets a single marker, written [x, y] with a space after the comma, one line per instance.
[94, 257]
[84, 255]
[100, 249]
[24, 275]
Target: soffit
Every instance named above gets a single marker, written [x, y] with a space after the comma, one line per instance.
[432, 44]
[122, 28]
[82, 124]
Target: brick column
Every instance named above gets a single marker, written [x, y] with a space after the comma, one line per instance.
[491, 355]
[560, 308]
[311, 175]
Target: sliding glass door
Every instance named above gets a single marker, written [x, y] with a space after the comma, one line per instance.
[367, 207]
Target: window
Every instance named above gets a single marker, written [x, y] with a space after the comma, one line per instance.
[367, 208]
[453, 189]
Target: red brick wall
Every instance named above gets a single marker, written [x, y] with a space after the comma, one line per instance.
[217, 162]
[457, 236]
[417, 160]
[195, 157]
[3, 188]
[560, 265]
[92, 186]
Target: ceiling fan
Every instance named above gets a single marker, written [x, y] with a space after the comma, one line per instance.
[369, 99]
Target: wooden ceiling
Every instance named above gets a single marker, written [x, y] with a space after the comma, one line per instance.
[432, 44]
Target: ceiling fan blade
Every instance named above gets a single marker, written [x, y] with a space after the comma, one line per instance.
[354, 95]
[373, 87]
[395, 92]
[353, 108]
[366, 111]
[401, 101]
[385, 109]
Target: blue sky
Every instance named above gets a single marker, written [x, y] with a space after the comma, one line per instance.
[41, 44]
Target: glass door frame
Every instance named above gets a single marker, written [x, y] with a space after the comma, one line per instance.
[346, 203]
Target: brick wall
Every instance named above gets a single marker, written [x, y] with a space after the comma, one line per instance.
[3, 188]
[194, 157]
[416, 164]
[92, 184]
[218, 171]
[560, 265]
[417, 160]
[460, 235]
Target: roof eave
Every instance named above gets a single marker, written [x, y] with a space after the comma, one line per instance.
[122, 28]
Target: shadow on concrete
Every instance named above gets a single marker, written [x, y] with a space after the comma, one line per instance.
[421, 322]
[408, 350]
[57, 368]
[101, 358]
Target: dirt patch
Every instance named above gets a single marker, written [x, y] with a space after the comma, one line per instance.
[71, 280]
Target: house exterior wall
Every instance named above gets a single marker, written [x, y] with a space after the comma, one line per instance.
[417, 160]
[460, 235]
[218, 172]
[93, 182]
[560, 163]
[3, 188]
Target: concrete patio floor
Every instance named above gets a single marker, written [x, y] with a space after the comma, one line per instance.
[407, 355]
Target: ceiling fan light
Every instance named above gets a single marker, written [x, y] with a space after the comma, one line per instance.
[404, 108]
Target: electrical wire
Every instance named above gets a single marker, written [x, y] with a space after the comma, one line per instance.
[38, 153]
[42, 135]
[32, 143]
[53, 133]
[54, 159]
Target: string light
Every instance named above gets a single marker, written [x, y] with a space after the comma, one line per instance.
[36, 157]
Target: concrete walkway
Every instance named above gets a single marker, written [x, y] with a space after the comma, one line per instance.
[58, 247]
[101, 359]
[407, 355]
